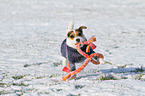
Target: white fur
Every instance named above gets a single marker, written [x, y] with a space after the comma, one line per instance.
[72, 43]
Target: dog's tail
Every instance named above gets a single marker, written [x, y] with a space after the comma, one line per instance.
[71, 26]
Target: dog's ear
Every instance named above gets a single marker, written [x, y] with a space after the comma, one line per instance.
[80, 28]
[71, 26]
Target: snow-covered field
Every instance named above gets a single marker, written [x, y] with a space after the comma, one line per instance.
[31, 32]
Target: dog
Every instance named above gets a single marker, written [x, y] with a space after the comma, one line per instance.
[68, 47]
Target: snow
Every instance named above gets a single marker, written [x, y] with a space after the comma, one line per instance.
[31, 32]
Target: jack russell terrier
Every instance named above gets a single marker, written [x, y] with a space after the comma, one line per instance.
[68, 47]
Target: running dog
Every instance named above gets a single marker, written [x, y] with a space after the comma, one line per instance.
[68, 47]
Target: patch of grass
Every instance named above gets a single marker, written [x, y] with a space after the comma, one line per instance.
[2, 84]
[20, 84]
[3, 92]
[51, 76]
[54, 75]
[27, 65]
[18, 77]
[122, 66]
[107, 78]
[43, 93]
[3, 75]
[18, 92]
[52, 84]
[124, 78]
[56, 64]
[39, 77]
[139, 70]
[79, 86]
[73, 94]
[34, 64]
[139, 77]
[59, 90]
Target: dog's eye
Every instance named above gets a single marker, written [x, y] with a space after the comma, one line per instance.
[79, 34]
[71, 36]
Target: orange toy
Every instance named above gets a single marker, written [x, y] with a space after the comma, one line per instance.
[89, 58]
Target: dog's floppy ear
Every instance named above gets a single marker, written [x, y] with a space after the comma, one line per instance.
[80, 28]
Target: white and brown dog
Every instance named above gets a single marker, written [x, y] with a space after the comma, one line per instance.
[68, 47]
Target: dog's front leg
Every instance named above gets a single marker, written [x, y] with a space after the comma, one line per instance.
[72, 68]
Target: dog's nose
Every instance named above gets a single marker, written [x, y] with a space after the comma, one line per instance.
[78, 40]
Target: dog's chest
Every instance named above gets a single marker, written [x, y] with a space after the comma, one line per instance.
[74, 55]
[71, 54]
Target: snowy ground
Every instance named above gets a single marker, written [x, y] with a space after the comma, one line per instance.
[31, 32]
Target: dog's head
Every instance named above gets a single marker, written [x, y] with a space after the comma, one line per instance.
[75, 36]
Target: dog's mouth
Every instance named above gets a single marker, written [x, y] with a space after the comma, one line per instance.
[80, 45]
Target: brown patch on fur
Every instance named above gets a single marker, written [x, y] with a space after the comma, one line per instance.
[71, 35]
[80, 28]
[78, 33]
